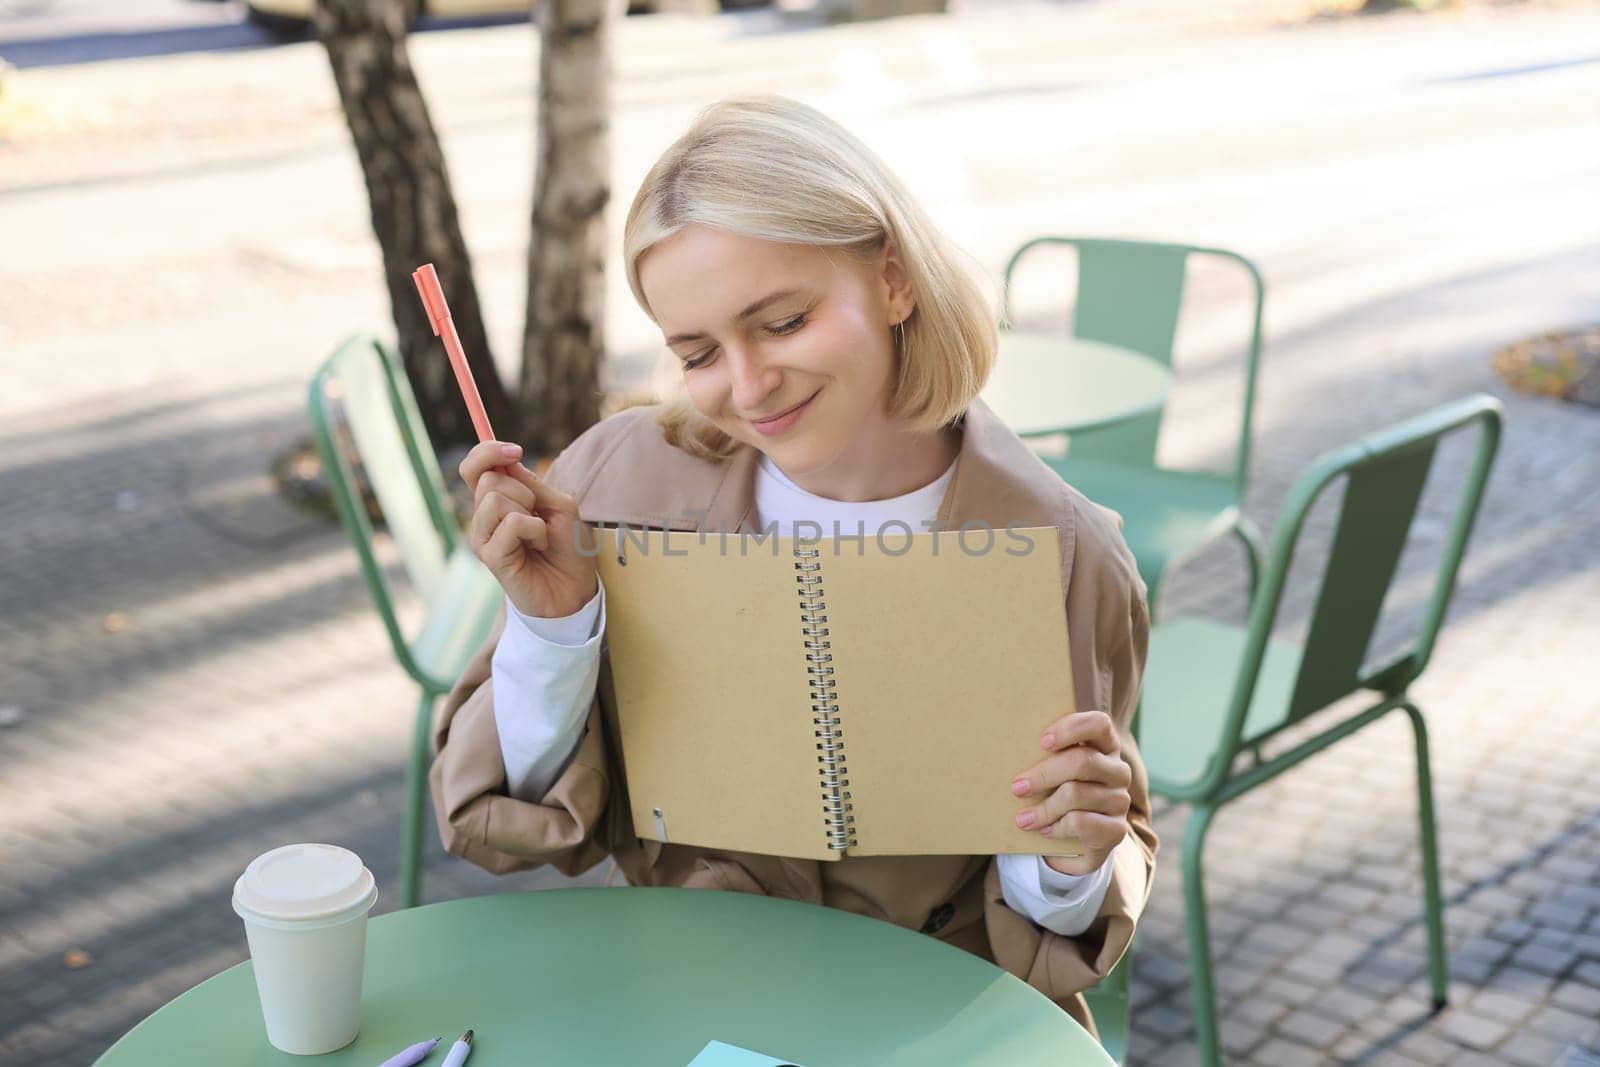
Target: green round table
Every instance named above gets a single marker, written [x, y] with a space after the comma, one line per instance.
[1049, 384]
[639, 977]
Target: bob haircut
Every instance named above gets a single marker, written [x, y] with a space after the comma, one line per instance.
[768, 167]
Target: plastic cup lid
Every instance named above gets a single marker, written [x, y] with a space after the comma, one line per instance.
[304, 882]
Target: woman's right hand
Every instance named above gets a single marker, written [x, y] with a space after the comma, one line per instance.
[527, 533]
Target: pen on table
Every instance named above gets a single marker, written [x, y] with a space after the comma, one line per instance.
[410, 1056]
[459, 1051]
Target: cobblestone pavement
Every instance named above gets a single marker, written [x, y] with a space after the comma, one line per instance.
[190, 672]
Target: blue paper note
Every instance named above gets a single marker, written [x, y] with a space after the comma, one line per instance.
[718, 1054]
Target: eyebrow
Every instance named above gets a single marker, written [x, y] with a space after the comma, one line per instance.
[759, 305]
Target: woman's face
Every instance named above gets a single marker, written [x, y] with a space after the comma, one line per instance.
[784, 347]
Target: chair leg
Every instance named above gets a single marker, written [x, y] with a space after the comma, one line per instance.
[416, 805]
[1432, 892]
[1202, 990]
[1109, 1004]
[1249, 535]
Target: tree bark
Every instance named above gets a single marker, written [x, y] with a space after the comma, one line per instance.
[413, 208]
[563, 343]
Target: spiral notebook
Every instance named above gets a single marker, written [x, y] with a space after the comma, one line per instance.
[810, 699]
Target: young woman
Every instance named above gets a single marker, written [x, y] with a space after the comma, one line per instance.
[830, 347]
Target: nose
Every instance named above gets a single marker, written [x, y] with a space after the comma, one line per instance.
[753, 380]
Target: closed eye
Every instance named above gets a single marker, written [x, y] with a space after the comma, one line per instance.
[788, 325]
[700, 360]
[778, 329]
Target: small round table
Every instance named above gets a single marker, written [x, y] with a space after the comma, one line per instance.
[1048, 384]
[643, 976]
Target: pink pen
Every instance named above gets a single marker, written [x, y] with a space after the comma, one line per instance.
[443, 326]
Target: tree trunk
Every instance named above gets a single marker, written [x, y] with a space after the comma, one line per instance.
[413, 209]
[563, 340]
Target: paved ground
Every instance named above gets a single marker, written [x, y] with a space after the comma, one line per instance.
[189, 672]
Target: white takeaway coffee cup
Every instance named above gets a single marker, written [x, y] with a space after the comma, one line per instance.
[305, 915]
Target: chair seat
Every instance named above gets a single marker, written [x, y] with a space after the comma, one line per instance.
[1188, 684]
[457, 620]
[1165, 513]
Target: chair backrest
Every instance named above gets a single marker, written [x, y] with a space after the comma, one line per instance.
[1383, 476]
[362, 387]
[1129, 293]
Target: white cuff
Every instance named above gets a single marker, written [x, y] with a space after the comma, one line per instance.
[1064, 904]
[569, 630]
[545, 672]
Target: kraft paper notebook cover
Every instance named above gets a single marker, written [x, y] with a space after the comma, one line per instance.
[819, 698]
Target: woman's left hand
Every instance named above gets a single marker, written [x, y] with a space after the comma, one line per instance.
[1080, 790]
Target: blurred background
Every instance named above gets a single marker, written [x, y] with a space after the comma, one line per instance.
[191, 670]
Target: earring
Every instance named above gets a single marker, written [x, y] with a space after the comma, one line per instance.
[900, 336]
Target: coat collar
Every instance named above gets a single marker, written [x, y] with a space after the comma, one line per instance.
[997, 481]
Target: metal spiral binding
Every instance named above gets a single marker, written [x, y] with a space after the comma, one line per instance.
[836, 807]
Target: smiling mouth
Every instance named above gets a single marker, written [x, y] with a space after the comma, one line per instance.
[785, 411]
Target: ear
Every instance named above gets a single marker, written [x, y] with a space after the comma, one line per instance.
[900, 300]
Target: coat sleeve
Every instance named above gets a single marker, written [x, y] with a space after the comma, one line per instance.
[478, 818]
[1108, 628]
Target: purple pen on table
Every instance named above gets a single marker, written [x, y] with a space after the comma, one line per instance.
[413, 1055]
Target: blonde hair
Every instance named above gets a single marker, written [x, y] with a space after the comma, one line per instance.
[772, 168]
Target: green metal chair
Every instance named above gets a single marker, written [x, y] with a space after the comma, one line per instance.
[1129, 294]
[1213, 692]
[1109, 1003]
[362, 388]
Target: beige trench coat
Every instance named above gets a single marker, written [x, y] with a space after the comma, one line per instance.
[623, 471]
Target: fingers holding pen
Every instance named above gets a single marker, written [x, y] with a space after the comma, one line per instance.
[493, 466]
[486, 456]
[501, 529]
[516, 530]
[512, 489]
